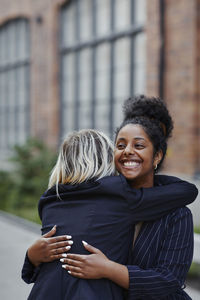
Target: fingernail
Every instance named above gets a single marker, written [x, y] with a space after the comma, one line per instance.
[70, 242]
[84, 243]
[64, 255]
[68, 247]
[63, 266]
[69, 272]
[54, 227]
[68, 237]
[62, 260]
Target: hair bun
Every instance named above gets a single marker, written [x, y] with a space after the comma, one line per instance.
[149, 107]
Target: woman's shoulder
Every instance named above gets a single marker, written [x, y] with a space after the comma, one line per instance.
[176, 217]
[114, 183]
[180, 213]
[110, 184]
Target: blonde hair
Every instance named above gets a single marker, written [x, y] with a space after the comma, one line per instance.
[84, 155]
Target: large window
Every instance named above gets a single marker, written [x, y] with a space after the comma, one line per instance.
[14, 85]
[102, 47]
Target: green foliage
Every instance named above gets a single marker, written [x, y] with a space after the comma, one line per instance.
[194, 271]
[197, 229]
[5, 188]
[22, 187]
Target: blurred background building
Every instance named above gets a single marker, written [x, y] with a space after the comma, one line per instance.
[70, 64]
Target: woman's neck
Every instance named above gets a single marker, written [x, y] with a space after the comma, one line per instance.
[137, 184]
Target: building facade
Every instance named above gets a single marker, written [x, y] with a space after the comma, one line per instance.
[67, 65]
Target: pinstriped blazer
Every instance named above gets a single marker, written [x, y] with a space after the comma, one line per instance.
[161, 258]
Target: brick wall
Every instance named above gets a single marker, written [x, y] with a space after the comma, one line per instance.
[42, 16]
[181, 76]
[181, 79]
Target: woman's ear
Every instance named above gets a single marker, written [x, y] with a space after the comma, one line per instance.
[157, 158]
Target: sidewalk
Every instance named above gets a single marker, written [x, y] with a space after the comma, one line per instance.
[16, 235]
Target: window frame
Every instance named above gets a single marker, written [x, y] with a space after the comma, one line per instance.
[110, 38]
[15, 64]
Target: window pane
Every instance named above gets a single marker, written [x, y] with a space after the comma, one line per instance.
[85, 76]
[68, 92]
[122, 69]
[122, 14]
[85, 19]
[85, 114]
[85, 64]
[22, 41]
[103, 17]
[103, 73]
[11, 43]
[140, 11]
[68, 84]
[139, 66]
[3, 44]
[102, 117]
[121, 75]
[11, 106]
[118, 116]
[14, 80]
[22, 96]
[68, 19]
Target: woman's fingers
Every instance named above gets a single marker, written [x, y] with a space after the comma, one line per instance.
[74, 271]
[90, 248]
[71, 262]
[60, 245]
[59, 253]
[58, 250]
[76, 274]
[57, 239]
[76, 257]
[54, 247]
[50, 233]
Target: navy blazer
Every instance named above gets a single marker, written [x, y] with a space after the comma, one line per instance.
[161, 258]
[103, 213]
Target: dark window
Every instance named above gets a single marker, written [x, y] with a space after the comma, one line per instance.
[14, 85]
[102, 47]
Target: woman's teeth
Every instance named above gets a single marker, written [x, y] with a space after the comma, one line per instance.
[131, 163]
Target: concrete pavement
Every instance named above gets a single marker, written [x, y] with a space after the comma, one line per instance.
[16, 235]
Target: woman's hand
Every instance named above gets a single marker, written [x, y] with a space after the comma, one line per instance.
[48, 248]
[95, 266]
[92, 266]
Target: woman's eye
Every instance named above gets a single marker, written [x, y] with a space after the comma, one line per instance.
[139, 146]
[120, 146]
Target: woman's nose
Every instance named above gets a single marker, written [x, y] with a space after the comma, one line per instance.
[129, 150]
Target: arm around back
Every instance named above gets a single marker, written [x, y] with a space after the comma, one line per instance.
[169, 194]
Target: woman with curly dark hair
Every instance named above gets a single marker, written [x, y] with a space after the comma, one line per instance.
[162, 250]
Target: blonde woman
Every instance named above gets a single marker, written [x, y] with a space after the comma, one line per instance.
[85, 198]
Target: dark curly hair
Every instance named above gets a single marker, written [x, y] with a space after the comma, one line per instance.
[152, 114]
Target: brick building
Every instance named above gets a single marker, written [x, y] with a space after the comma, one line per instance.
[70, 64]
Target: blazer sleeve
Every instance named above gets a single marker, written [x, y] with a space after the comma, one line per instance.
[172, 264]
[155, 202]
[29, 271]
